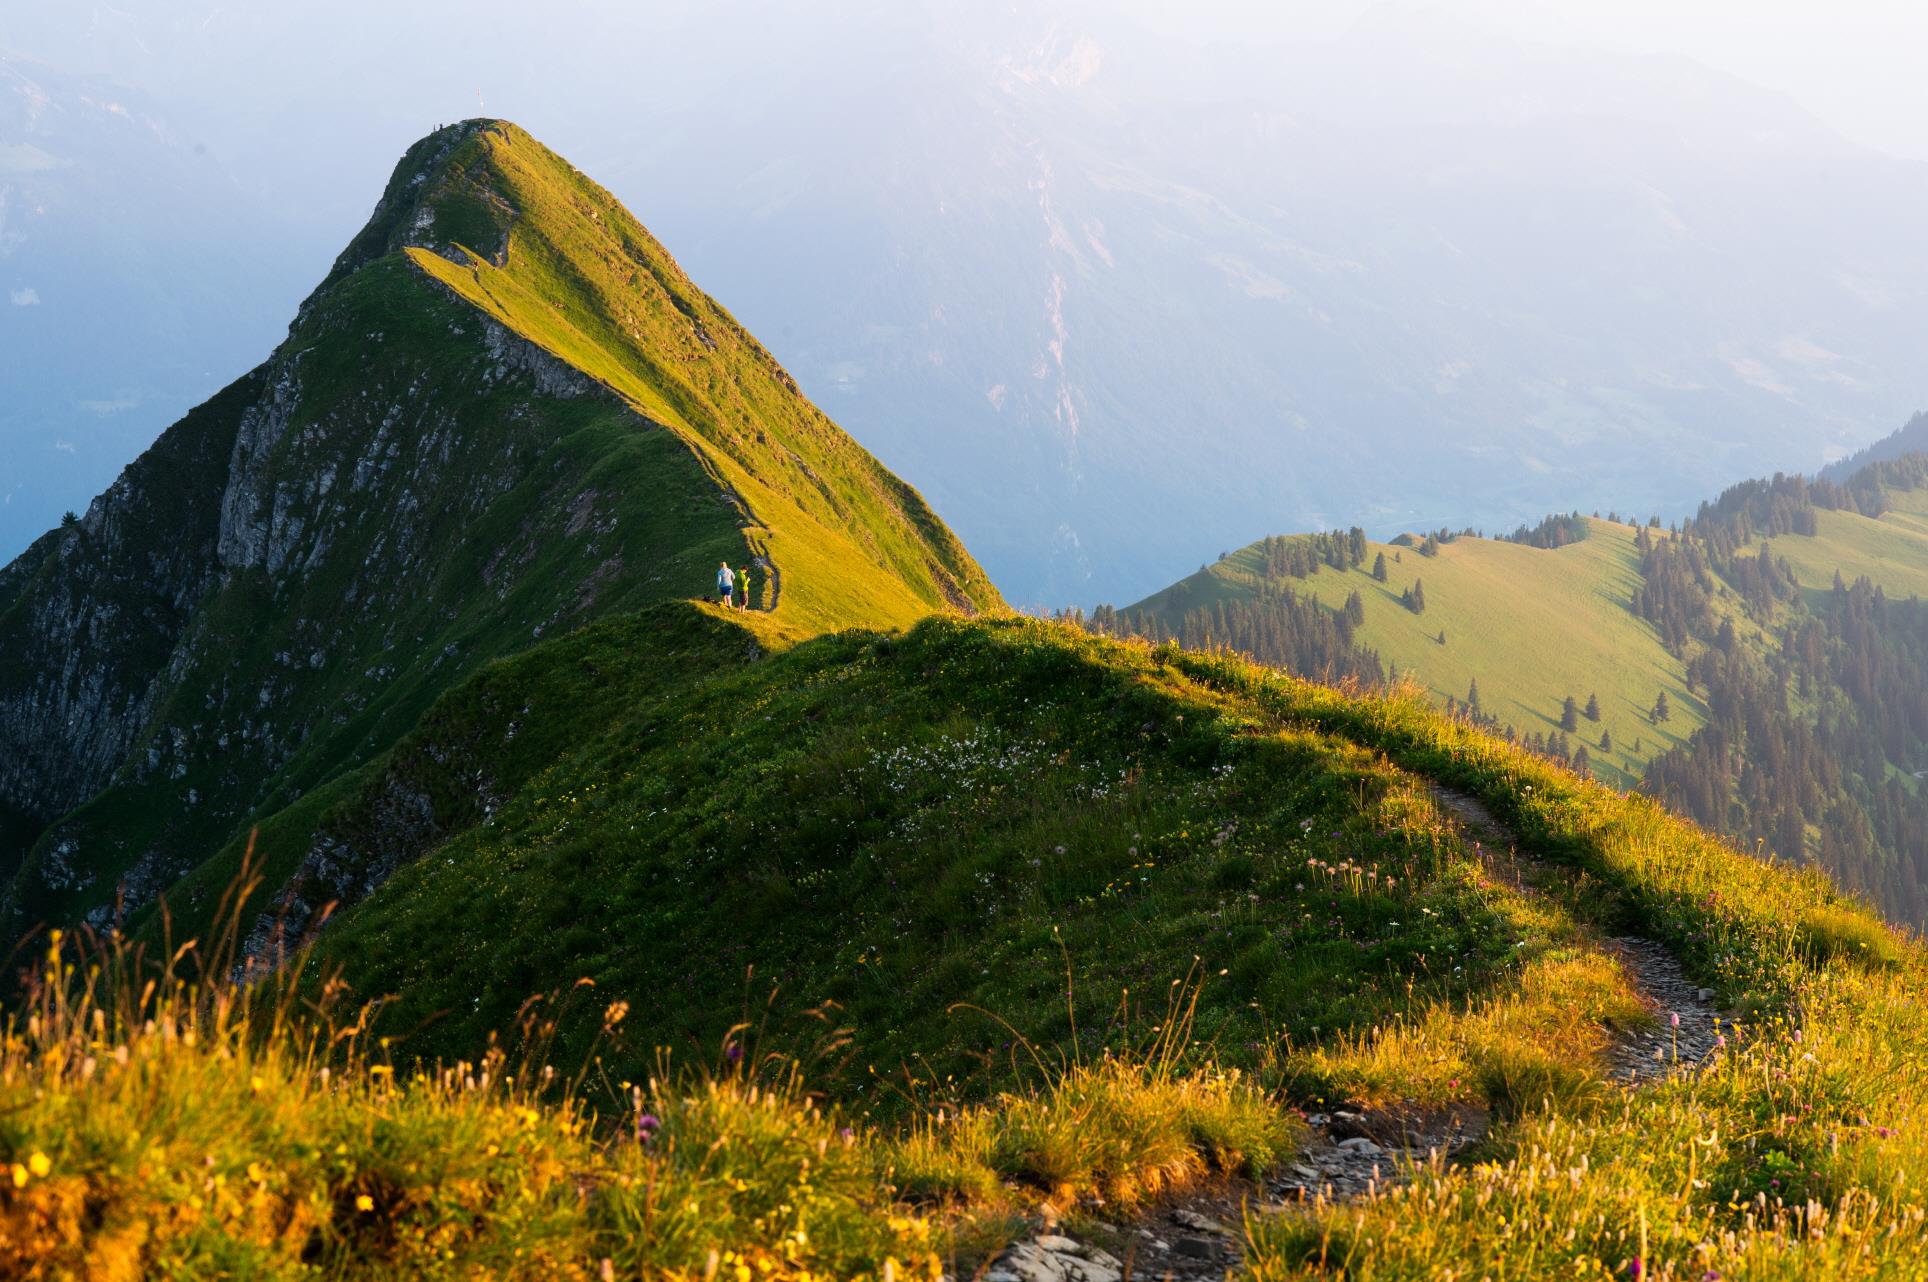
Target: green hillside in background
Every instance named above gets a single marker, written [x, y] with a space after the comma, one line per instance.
[1782, 624]
[1532, 626]
[1890, 550]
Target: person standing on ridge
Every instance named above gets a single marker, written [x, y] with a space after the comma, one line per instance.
[726, 585]
[743, 580]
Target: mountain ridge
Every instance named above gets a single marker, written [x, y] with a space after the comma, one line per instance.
[446, 415]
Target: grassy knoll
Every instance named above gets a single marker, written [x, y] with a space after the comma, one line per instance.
[1531, 625]
[899, 824]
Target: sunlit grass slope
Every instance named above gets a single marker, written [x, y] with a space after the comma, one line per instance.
[1891, 549]
[1531, 625]
[578, 275]
[1797, 1155]
[899, 824]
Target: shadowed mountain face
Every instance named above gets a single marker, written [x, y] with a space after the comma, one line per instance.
[504, 413]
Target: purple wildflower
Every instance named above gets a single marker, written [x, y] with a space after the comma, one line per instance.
[733, 1052]
[1636, 1268]
[647, 1125]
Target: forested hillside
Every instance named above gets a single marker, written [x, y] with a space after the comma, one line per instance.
[1762, 667]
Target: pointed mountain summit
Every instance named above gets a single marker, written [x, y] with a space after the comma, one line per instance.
[504, 413]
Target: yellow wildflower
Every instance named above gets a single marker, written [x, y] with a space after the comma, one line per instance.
[363, 1202]
[39, 1164]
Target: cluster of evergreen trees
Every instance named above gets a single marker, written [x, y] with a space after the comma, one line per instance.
[1299, 556]
[1817, 711]
[1279, 627]
[1553, 532]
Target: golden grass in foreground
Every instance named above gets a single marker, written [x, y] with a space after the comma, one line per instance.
[1799, 1153]
[150, 1127]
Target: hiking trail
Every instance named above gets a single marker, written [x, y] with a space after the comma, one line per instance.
[1357, 1152]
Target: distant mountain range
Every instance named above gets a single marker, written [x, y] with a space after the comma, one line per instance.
[1115, 299]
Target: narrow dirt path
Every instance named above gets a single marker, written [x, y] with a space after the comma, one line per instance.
[1684, 1032]
[1356, 1153]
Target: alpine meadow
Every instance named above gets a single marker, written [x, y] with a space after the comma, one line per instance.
[424, 873]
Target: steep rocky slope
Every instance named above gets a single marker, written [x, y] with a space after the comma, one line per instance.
[505, 412]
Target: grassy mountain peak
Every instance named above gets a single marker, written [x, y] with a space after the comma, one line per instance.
[506, 412]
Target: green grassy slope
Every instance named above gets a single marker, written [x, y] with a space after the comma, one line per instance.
[1052, 828]
[898, 824]
[580, 276]
[320, 667]
[1531, 625]
[1891, 549]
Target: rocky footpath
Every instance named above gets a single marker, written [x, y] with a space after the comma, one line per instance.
[1358, 1152]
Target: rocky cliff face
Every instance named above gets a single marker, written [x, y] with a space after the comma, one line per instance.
[92, 612]
[184, 655]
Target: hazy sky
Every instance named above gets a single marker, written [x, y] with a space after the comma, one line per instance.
[1857, 64]
[1854, 63]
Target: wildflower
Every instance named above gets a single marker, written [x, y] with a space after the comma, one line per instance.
[1636, 1268]
[1673, 1019]
[647, 1124]
[19, 1176]
[733, 1052]
[363, 1202]
[39, 1164]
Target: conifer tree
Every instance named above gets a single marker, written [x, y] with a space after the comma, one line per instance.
[1661, 711]
[1581, 761]
[1472, 696]
[1606, 741]
[1379, 567]
[1570, 714]
[1593, 707]
[1355, 609]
